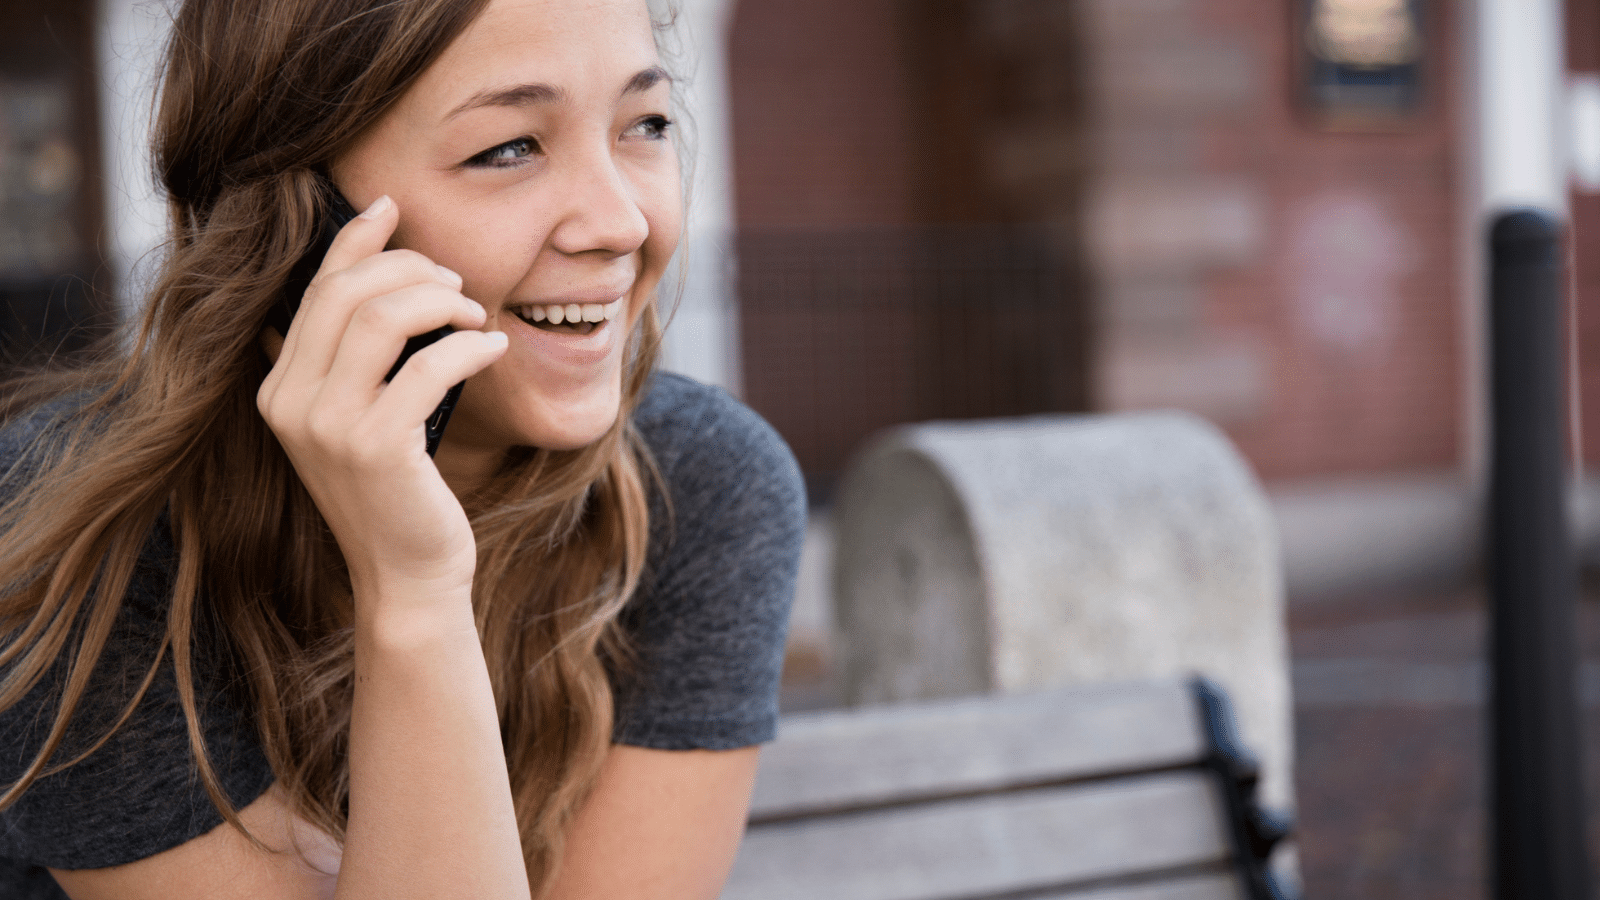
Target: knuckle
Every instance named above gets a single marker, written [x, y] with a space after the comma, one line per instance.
[365, 448]
[434, 290]
[273, 409]
[415, 264]
[380, 315]
[329, 284]
[426, 365]
[324, 428]
[438, 297]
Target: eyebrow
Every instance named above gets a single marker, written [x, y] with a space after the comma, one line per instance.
[535, 94]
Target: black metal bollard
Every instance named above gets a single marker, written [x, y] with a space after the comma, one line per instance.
[1536, 792]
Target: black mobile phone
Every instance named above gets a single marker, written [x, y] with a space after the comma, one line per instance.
[339, 215]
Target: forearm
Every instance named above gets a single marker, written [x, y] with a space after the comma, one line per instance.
[430, 801]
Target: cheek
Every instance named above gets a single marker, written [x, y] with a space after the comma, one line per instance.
[482, 254]
[664, 234]
[661, 201]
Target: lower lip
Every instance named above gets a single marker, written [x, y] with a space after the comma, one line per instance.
[565, 347]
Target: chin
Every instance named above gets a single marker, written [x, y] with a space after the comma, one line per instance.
[551, 425]
[571, 438]
[576, 423]
[537, 399]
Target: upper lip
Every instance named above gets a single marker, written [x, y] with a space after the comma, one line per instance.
[601, 296]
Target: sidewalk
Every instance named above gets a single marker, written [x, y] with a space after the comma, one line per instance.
[1390, 731]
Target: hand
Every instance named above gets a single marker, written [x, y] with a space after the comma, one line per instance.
[358, 443]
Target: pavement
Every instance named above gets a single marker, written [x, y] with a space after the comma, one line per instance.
[1389, 731]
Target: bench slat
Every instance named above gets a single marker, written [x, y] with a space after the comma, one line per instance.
[984, 845]
[846, 759]
[1192, 887]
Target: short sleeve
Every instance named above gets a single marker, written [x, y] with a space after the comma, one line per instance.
[140, 792]
[709, 622]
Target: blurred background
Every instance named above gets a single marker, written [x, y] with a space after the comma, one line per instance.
[1266, 212]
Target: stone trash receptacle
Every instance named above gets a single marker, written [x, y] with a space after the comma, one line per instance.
[1008, 555]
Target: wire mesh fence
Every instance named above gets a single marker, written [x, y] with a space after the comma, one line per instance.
[848, 331]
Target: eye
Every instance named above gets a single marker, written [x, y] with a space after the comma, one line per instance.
[651, 128]
[508, 154]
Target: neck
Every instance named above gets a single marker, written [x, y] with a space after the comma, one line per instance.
[465, 469]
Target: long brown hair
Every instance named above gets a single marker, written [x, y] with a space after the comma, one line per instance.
[258, 98]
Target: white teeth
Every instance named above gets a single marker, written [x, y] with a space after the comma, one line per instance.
[556, 314]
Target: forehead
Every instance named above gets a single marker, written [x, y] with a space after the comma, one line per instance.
[570, 44]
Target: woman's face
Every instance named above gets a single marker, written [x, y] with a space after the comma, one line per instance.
[533, 159]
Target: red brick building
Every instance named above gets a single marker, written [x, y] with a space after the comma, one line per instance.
[1214, 241]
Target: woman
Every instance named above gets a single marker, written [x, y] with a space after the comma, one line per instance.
[260, 643]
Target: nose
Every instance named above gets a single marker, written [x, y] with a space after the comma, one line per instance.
[601, 209]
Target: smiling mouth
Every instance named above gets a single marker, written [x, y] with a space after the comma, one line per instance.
[568, 318]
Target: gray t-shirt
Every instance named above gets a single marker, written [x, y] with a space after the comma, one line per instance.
[708, 625]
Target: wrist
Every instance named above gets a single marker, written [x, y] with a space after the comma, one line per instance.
[390, 583]
[382, 567]
[409, 616]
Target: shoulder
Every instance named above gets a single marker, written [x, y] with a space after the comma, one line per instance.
[31, 440]
[731, 483]
[696, 430]
[24, 434]
[34, 436]
[711, 613]
[130, 789]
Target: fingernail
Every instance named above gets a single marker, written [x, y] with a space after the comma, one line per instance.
[450, 276]
[496, 337]
[479, 307]
[378, 207]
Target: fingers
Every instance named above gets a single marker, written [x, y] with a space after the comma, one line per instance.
[356, 271]
[365, 235]
[357, 444]
[390, 427]
[358, 313]
[334, 298]
[380, 273]
[380, 327]
[408, 292]
[362, 238]
[423, 380]
[380, 422]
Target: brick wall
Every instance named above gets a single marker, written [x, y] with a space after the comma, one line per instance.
[1223, 252]
[880, 279]
[820, 102]
[1295, 283]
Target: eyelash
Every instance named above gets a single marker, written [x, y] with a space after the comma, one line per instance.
[656, 127]
[490, 158]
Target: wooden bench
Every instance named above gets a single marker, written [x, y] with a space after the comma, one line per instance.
[1130, 792]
